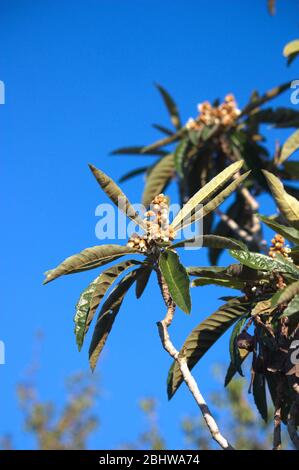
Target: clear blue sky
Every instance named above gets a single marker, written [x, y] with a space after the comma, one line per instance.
[78, 79]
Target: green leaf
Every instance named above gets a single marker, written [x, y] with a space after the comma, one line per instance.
[204, 336]
[91, 297]
[259, 395]
[107, 316]
[231, 371]
[171, 106]
[158, 179]
[207, 191]
[264, 263]
[234, 351]
[224, 194]
[211, 241]
[89, 258]
[289, 147]
[131, 174]
[205, 270]
[138, 150]
[179, 156]
[176, 278]
[143, 276]
[292, 308]
[285, 295]
[116, 195]
[290, 233]
[288, 205]
[223, 282]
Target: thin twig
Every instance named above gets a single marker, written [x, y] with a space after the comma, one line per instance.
[182, 363]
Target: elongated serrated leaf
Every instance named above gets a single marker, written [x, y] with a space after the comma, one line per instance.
[131, 174]
[184, 217]
[231, 371]
[107, 316]
[286, 294]
[171, 106]
[158, 179]
[89, 258]
[290, 233]
[223, 282]
[116, 195]
[259, 395]
[288, 205]
[204, 336]
[224, 194]
[179, 156]
[204, 270]
[264, 263]
[142, 279]
[137, 150]
[234, 351]
[292, 308]
[176, 278]
[91, 297]
[211, 241]
[289, 147]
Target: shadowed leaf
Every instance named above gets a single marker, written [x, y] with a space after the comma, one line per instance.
[91, 297]
[89, 258]
[204, 336]
[107, 316]
[176, 278]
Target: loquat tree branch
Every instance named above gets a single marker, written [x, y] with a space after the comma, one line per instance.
[182, 363]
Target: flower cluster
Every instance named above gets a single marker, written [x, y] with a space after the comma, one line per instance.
[157, 226]
[225, 114]
[278, 246]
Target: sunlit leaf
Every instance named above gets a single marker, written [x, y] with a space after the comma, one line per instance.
[264, 263]
[289, 147]
[288, 205]
[184, 217]
[285, 295]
